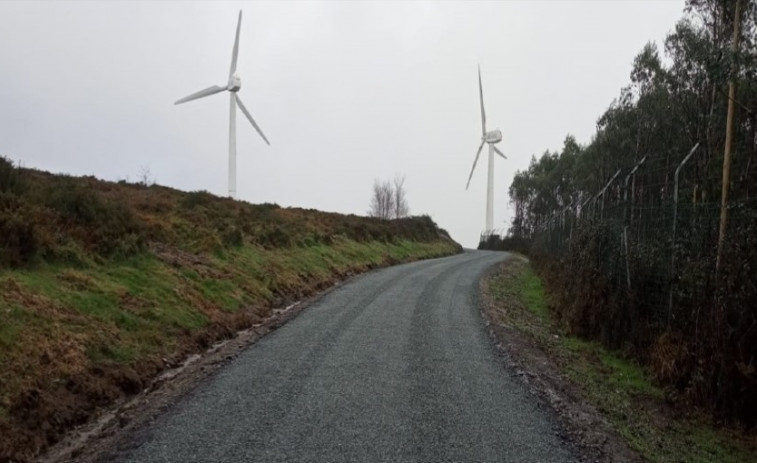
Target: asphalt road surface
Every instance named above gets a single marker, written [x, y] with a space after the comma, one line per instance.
[393, 366]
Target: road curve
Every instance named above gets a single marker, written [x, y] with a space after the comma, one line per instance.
[393, 366]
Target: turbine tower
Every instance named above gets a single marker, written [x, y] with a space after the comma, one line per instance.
[233, 85]
[492, 137]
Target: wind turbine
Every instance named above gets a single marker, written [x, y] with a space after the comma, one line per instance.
[233, 86]
[492, 137]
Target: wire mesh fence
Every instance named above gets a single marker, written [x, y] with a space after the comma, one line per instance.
[634, 265]
[654, 233]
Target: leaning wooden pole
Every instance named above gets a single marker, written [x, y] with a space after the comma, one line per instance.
[728, 140]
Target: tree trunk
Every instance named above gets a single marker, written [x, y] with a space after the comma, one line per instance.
[728, 140]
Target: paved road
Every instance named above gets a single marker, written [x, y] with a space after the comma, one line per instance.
[394, 366]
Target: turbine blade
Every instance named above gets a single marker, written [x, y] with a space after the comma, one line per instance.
[481, 95]
[249, 117]
[499, 152]
[236, 47]
[474, 163]
[202, 93]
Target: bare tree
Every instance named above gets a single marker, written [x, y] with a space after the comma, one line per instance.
[382, 200]
[389, 199]
[400, 207]
[145, 176]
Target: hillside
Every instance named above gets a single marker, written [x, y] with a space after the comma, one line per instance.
[103, 284]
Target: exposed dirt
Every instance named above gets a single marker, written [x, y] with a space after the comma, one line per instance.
[91, 442]
[584, 425]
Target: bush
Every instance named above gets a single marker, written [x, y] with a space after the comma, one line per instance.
[232, 237]
[198, 198]
[106, 226]
[18, 234]
[275, 237]
[80, 220]
[705, 349]
[494, 242]
[9, 177]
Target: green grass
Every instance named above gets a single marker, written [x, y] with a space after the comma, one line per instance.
[522, 293]
[532, 293]
[126, 311]
[612, 372]
[223, 293]
[111, 353]
[14, 317]
[621, 389]
[129, 311]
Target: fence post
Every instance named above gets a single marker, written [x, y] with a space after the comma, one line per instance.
[584, 204]
[563, 221]
[673, 239]
[602, 193]
[627, 220]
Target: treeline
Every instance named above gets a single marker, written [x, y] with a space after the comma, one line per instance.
[626, 228]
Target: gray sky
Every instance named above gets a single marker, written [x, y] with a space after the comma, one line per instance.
[346, 92]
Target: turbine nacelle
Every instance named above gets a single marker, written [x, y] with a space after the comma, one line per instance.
[235, 83]
[494, 136]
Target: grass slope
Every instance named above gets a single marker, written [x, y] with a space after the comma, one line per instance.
[102, 285]
[619, 388]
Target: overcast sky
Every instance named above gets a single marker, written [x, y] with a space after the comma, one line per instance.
[346, 92]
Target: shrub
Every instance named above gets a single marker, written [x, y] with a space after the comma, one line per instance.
[232, 237]
[18, 234]
[275, 237]
[197, 198]
[9, 176]
[106, 226]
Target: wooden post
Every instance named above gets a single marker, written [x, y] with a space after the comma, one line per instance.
[728, 140]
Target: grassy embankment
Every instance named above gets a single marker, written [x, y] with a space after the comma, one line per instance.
[103, 285]
[620, 389]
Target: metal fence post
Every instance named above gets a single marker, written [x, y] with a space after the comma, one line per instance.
[673, 237]
[602, 193]
[627, 220]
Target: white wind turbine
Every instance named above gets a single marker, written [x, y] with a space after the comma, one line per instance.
[233, 86]
[495, 136]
